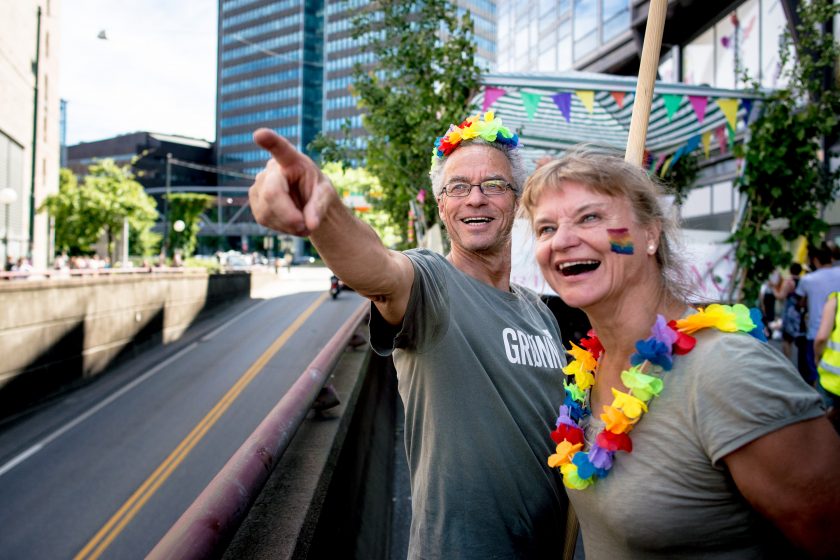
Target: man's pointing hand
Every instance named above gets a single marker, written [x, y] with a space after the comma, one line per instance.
[291, 194]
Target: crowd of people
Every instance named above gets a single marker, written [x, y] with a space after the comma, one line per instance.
[732, 455]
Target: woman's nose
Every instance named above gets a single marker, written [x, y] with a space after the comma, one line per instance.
[565, 237]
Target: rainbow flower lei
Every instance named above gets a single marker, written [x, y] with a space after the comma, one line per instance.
[489, 129]
[581, 469]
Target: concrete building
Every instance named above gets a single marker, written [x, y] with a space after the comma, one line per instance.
[29, 125]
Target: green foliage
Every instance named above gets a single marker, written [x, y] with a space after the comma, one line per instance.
[188, 208]
[424, 79]
[358, 181]
[785, 179]
[679, 178]
[109, 194]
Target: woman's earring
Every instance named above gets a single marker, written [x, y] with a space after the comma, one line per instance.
[651, 249]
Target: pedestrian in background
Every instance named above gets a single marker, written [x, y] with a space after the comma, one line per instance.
[793, 319]
[827, 352]
[814, 288]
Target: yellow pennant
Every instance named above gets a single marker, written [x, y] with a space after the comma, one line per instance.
[730, 111]
[587, 97]
[707, 142]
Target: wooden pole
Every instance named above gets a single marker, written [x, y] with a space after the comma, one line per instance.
[647, 79]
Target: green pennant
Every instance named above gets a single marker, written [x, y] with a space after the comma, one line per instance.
[531, 101]
[672, 102]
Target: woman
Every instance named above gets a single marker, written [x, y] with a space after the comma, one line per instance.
[669, 450]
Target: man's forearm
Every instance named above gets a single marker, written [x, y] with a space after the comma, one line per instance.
[354, 252]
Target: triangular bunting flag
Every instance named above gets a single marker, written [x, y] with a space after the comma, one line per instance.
[665, 167]
[563, 100]
[491, 94]
[587, 97]
[707, 142]
[720, 132]
[672, 103]
[677, 155]
[730, 132]
[729, 107]
[747, 105]
[699, 102]
[692, 143]
[531, 101]
[660, 161]
[619, 98]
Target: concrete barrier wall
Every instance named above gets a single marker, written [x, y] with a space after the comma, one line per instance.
[59, 331]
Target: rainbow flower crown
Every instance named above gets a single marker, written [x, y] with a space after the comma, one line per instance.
[489, 129]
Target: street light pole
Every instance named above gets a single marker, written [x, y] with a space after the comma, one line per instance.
[7, 197]
[166, 205]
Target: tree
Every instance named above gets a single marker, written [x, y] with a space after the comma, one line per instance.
[188, 208]
[786, 177]
[358, 182]
[109, 195]
[425, 77]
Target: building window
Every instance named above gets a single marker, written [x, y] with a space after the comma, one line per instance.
[586, 27]
[11, 176]
[615, 18]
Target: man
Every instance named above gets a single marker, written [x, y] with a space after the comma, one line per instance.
[814, 287]
[477, 359]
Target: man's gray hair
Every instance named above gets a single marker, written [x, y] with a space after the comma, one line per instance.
[517, 166]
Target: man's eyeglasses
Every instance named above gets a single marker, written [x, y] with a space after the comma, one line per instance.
[493, 187]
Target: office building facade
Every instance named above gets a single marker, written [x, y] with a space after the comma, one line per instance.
[29, 126]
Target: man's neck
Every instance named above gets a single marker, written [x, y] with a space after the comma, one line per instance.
[491, 268]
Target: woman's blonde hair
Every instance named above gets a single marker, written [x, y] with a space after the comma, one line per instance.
[610, 175]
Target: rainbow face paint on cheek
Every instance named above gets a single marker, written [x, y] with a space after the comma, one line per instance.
[620, 241]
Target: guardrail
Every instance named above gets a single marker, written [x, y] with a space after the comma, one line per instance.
[46, 274]
[205, 529]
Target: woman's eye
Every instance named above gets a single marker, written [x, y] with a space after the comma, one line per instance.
[545, 230]
[589, 218]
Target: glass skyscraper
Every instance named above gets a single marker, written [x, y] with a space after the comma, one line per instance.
[270, 73]
[288, 65]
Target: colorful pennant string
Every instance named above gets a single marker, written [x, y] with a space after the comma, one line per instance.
[563, 100]
[672, 103]
[698, 103]
[587, 97]
[619, 98]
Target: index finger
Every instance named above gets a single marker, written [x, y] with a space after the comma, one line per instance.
[281, 149]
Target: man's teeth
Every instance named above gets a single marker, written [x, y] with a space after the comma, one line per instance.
[565, 265]
[475, 220]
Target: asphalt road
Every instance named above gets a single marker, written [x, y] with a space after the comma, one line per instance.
[105, 471]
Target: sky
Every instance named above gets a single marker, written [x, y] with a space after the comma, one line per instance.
[155, 72]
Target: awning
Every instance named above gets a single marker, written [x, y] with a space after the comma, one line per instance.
[552, 112]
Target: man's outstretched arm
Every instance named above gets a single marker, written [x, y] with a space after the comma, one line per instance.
[291, 195]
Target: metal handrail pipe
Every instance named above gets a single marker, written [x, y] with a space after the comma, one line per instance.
[205, 529]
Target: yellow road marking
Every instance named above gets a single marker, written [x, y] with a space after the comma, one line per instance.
[103, 538]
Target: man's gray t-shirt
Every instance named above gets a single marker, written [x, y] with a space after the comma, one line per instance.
[480, 376]
[672, 496]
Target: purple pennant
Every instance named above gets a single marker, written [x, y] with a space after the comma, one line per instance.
[747, 105]
[563, 100]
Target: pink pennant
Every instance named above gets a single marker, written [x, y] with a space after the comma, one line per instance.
[619, 98]
[421, 196]
[699, 102]
[720, 132]
[491, 94]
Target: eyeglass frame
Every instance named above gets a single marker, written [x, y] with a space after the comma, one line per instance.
[445, 189]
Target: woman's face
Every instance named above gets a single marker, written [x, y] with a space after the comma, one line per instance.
[589, 246]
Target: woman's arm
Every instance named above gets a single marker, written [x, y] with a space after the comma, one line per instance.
[792, 477]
